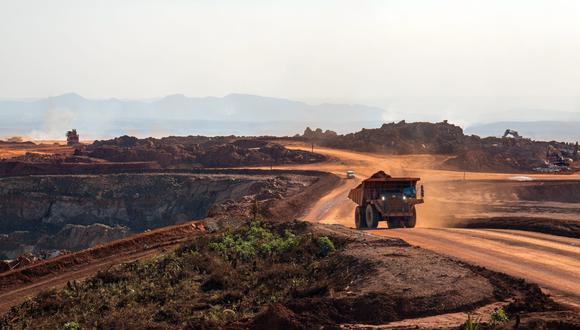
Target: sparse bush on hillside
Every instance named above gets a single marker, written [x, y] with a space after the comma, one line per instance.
[210, 281]
[326, 246]
[257, 240]
[471, 324]
[499, 316]
[71, 326]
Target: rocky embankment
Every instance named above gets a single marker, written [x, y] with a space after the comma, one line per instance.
[72, 212]
[395, 138]
[197, 150]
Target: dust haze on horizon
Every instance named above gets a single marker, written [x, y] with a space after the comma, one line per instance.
[462, 60]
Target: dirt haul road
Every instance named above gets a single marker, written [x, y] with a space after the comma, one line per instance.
[551, 261]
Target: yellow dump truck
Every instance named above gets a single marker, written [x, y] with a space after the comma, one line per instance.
[384, 198]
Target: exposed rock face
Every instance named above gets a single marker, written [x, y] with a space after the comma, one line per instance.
[138, 201]
[78, 237]
[76, 211]
[46, 244]
[14, 244]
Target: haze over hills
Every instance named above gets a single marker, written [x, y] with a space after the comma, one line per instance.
[567, 131]
[236, 114]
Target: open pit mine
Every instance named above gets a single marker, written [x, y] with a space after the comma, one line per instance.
[407, 226]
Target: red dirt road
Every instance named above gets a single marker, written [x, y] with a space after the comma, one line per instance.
[551, 261]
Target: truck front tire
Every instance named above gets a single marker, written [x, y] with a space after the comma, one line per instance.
[359, 218]
[411, 221]
[372, 217]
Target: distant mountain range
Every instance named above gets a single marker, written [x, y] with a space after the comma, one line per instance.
[233, 114]
[238, 114]
[566, 131]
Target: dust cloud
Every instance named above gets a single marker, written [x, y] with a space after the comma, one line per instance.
[451, 197]
[55, 124]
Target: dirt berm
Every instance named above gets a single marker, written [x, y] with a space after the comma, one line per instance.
[390, 280]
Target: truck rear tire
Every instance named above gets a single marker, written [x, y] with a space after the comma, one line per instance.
[359, 218]
[372, 217]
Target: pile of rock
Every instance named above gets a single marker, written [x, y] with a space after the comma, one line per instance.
[197, 151]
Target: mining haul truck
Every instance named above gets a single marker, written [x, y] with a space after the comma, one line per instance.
[384, 198]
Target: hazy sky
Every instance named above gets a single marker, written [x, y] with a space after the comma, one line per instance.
[446, 58]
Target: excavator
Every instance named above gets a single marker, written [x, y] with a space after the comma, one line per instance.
[514, 134]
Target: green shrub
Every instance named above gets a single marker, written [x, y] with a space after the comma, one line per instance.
[71, 326]
[256, 240]
[279, 244]
[499, 316]
[325, 246]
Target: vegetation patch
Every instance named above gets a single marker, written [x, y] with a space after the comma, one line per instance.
[211, 281]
